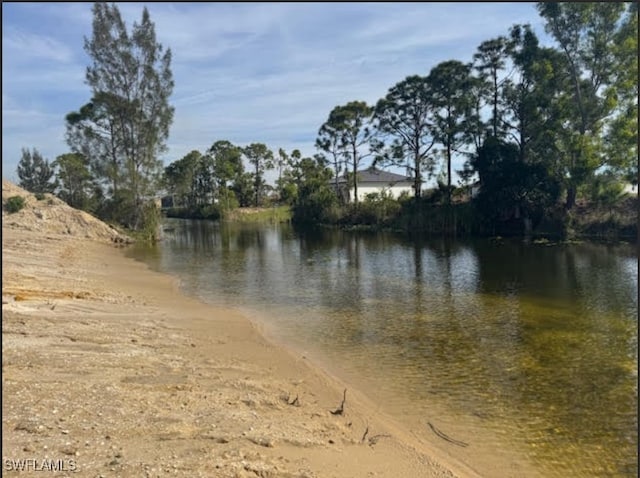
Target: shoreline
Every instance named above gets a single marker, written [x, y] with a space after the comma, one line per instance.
[491, 454]
[109, 364]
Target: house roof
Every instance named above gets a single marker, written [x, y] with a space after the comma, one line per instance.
[372, 175]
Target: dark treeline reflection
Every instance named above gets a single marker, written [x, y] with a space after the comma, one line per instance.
[540, 338]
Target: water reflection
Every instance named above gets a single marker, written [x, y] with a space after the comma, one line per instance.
[537, 343]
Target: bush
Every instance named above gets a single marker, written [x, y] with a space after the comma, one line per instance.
[288, 194]
[211, 211]
[14, 204]
[606, 190]
[316, 204]
[39, 196]
[421, 216]
[227, 201]
[378, 209]
[150, 221]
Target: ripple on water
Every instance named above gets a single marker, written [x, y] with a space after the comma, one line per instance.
[526, 351]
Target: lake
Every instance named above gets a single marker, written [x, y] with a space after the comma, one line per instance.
[527, 352]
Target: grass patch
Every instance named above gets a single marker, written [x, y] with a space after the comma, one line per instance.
[270, 215]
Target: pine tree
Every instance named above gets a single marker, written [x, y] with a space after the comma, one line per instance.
[125, 126]
[35, 173]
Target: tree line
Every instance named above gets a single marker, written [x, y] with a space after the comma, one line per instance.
[538, 126]
[561, 114]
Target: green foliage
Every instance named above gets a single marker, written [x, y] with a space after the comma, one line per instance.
[329, 141]
[489, 60]
[125, 126]
[533, 113]
[556, 119]
[14, 204]
[261, 158]
[316, 206]
[272, 215]
[424, 216]
[512, 190]
[150, 220]
[208, 186]
[227, 201]
[288, 193]
[589, 35]
[621, 141]
[76, 181]
[378, 210]
[450, 85]
[243, 188]
[189, 180]
[227, 162]
[116, 209]
[211, 212]
[346, 135]
[294, 174]
[317, 202]
[606, 189]
[283, 164]
[404, 117]
[35, 173]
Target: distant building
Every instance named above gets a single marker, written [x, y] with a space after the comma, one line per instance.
[373, 180]
[631, 188]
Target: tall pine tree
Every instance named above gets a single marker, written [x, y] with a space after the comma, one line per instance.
[125, 126]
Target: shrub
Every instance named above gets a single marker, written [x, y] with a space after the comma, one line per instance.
[316, 204]
[39, 196]
[227, 201]
[378, 209]
[14, 204]
[150, 221]
[210, 211]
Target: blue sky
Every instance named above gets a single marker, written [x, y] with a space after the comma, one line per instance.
[252, 72]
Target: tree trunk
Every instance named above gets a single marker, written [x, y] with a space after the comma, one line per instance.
[336, 183]
[417, 182]
[448, 171]
[528, 226]
[257, 184]
[355, 176]
[571, 198]
[495, 103]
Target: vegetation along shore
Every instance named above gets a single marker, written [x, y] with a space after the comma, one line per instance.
[548, 135]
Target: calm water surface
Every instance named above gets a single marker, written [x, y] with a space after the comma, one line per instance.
[528, 352]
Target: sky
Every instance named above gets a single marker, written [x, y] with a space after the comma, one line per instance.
[243, 72]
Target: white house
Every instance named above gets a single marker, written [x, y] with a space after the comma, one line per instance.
[373, 180]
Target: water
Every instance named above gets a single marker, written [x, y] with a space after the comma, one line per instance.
[528, 352]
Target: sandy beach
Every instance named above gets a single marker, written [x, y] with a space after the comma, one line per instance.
[109, 370]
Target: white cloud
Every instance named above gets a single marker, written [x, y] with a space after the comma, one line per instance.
[25, 47]
[256, 72]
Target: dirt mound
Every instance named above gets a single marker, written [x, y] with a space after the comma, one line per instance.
[51, 215]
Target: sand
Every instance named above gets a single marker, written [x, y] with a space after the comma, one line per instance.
[109, 370]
